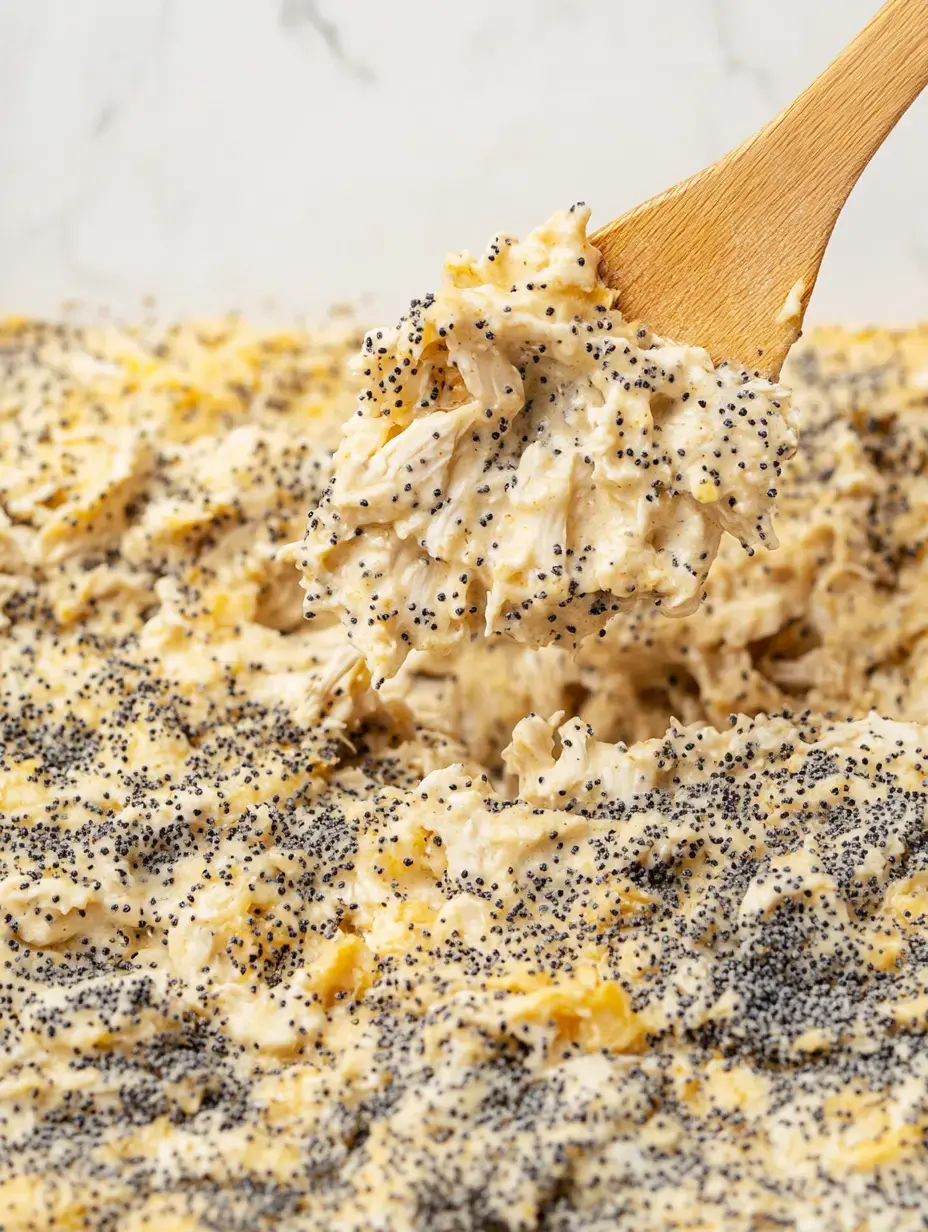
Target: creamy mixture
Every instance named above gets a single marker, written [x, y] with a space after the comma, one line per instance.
[526, 462]
[283, 952]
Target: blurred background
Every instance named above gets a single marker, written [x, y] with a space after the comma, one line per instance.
[282, 156]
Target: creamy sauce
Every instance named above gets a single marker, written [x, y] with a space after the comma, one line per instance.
[284, 952]
[792, 305]
[525, 462]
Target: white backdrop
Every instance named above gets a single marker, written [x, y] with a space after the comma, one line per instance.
[225, 153]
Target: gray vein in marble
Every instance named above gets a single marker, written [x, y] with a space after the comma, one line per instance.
[723, 16]
[60, 227]
[112, 108]
[104, 118]
[295, 14]
[60, 230]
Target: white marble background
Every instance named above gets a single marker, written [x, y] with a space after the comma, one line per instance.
[281, 155]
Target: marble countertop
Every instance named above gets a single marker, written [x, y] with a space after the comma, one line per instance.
[280, 156]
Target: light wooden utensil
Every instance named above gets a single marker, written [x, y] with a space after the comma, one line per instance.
[728, 259]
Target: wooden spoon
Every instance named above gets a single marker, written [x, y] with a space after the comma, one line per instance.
[728, 258]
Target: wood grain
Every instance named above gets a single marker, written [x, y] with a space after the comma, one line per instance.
[713, 260]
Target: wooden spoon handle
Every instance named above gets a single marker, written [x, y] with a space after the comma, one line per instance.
[728, 258]
[817, 148]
